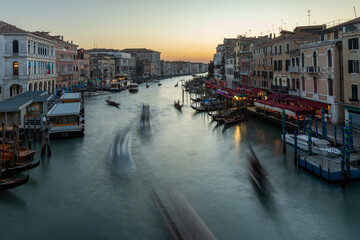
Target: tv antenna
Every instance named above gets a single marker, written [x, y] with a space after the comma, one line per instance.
[354, 11]
[309, 13]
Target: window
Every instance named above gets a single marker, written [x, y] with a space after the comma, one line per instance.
[287, 48]
[354, 93]
[271, 75]
[275, 50]
[330, 87]
[293, 62]
[315, 85]
[15, 46]
[329, 58]
[353, 66]
[29, 48]
[15, 68]
[297, 62]
[271, 61]
[280, 65]
[29, 70]
[314, 59]
[287, 64]
[293, 83]
[275, 65]
[302, 60]
[280, 49]
[353, 43]
[297, 83]
[303, 83]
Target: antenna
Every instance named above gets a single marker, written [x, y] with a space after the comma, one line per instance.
[281, 24]
[309, 13]
[354, 11]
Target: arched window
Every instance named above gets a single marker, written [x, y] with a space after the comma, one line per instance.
[302, 60]
[293, 62]
[293, 83]
[297, 62]
[15, 68]
[315, 85]
[314, 59]
[15, 46]
[329, 58]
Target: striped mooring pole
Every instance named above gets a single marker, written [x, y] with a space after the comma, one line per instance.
[304, 124]
[283, 130]
[309, 134]
[316, 128]
[347, 151]
[323, 125]
[298, 123]
[342, 150]
[295, 145]
[351, 147]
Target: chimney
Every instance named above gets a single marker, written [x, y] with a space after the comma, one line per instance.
[270, 35]
[71, 41]
[61, 38]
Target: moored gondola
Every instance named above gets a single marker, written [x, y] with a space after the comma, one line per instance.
[11, 182]
[20, 167]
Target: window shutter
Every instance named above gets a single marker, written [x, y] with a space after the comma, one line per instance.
[356, 40]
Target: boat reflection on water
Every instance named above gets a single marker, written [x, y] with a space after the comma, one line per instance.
[145, 123]
[120, 157]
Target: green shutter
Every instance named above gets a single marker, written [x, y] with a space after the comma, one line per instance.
[349, 66]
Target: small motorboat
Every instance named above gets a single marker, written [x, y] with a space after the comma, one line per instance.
[134, 87]
[147, 85]
[159, 83]
[112, 103]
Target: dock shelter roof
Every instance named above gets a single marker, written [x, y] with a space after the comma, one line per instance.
[291, 110]
[64, 109]
[69, 96]
[22, 100]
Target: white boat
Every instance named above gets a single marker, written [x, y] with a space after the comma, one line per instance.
[318, 146]
[133, 87]
[66, 120]
[90, 94]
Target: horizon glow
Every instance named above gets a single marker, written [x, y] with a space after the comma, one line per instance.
[186, 30]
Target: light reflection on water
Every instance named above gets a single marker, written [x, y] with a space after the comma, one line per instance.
[76, 195]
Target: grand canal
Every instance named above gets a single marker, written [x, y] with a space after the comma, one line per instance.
[75, 194]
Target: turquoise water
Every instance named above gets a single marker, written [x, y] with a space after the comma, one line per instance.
[75, 194]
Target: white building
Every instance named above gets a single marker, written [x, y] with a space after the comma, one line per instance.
[27, 62]
[229, 70]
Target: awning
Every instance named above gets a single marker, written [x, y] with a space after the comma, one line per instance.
[310, 103]
[278, 107]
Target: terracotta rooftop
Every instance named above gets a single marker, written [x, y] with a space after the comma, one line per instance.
[7, 28]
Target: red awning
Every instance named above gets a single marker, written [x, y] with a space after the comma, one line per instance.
[310, 103]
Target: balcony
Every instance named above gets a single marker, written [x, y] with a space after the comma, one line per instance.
[294, 69]
[313, 70]
[294, 92]
[66, 73]
[279, 88]
[66, 60]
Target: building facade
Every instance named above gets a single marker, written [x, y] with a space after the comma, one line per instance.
[147, 55]
[27, 62]
[83, 66]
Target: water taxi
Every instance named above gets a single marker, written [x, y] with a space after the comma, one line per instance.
[66, 120]
[133, 87]
[318, 146]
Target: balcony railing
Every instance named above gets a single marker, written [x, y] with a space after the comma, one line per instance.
[313, 69]
[294, 69]
[279, 88]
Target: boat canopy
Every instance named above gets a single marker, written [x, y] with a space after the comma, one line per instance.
[65, 109]
[71, 96]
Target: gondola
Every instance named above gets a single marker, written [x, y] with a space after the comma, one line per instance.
[147, 85]
[177, 105]
[177, 84]
[7, 183]
[235, 119]
[196, 99]
[111, 103]
[159, 83]
[257, 172]
[20, 167]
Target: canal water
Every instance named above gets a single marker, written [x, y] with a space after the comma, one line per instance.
[75, 194]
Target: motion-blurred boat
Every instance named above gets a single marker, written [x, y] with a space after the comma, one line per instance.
[120, 157]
